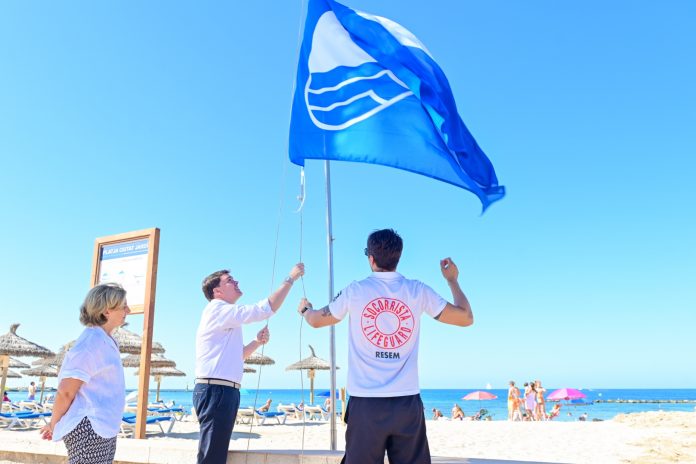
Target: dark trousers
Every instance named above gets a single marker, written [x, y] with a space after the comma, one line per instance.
[395, 425]
[216, 408]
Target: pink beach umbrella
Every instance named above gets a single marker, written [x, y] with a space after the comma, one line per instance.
[479, 395]
[566, 394]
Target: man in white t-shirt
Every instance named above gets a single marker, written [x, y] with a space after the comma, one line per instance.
[385, 411]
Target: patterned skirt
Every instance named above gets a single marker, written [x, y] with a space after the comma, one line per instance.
[86, 447]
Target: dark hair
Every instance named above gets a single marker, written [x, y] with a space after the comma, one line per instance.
[211, 282]
[385, 247]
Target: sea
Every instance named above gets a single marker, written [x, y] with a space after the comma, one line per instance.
[600, 404]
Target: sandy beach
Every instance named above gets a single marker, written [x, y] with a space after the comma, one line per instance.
[651, 437]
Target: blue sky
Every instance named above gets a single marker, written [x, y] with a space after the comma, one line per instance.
[119, 116]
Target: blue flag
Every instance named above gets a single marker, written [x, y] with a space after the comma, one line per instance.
[368, 90]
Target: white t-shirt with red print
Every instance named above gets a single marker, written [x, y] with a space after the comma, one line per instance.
[384, 316]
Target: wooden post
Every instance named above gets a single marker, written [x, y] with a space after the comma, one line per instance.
[343, 404]
[5, 364]
[310, 374]
[158, 379]
[146, 349]
[42, 379]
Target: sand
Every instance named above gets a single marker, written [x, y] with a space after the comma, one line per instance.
[651, 437]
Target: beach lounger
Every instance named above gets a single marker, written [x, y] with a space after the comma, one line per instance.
[290, 410]
[24, 419]
[262, 416]
[316, 413]
[244, 415]
[128, 423]
[177, 413]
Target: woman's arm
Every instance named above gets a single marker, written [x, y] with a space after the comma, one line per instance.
[67, 389]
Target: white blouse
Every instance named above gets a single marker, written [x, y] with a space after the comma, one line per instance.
[96, 361]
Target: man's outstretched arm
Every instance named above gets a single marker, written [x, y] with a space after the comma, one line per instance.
[458, 313]
[316, 318]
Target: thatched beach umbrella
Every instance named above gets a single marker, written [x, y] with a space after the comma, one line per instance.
[41, 372]
[311, 364]
[16, 363]
[259, 359]
[12, 344]
[159, 372]
[130, 343]
[57, 359]
[12, 374]
[249, 370]
[156, 361]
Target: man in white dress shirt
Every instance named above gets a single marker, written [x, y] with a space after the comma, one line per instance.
[220, 354]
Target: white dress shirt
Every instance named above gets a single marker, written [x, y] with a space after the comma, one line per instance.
[96, 361]
[219, 343]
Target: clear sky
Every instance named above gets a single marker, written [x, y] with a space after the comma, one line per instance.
[120, 116]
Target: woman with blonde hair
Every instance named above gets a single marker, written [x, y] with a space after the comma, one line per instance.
[91, 391]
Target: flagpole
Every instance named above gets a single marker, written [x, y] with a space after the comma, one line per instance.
[332, 331]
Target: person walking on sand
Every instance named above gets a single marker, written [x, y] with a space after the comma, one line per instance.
[541, 403]
[385, 411]
[513, 403]
[92, 391]
[530, 400]
[220, 353]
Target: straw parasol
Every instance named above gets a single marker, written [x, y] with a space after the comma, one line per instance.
[12, 374]
[311, 364]
[156, 361]
[18, 364]
[249, 370]
[41, 372]
[130, 342]
[12, 344]
[159, 372]
[259, 359]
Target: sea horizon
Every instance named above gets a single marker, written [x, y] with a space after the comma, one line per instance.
[600, 404]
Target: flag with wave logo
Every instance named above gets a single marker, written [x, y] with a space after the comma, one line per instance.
[369, 91]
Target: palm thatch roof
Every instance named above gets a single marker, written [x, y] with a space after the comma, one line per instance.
[57, 359]
[164, 372]
[13, 345]
[11, 374]
[41, 371]
[156, 361]
[259, 359]
[249, 370]
[18, 364]
[130, 343]
[313, 362]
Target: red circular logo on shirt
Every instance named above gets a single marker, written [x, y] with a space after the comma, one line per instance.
[387, 323]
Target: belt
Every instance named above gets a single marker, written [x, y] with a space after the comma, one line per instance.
[226, 383]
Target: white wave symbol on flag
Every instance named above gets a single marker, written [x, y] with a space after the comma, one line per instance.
[347, 103]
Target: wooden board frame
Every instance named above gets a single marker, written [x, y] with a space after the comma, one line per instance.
[147, 308]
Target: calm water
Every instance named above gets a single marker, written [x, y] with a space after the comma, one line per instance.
[445, 399]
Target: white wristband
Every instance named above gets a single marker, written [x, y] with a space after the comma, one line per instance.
[289, 280]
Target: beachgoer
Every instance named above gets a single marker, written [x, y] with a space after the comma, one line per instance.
[437, 414]
[513, 403]
[220, 352]
[554, 412]
[530, 400]
[267, 406]
[457, 413]
[541, 403]
[5, 397]
[31, 391]
[384, 325]
[327, 404]
[92, 391]
[583, 417]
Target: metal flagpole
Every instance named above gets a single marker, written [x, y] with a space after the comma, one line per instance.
[332, 331]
